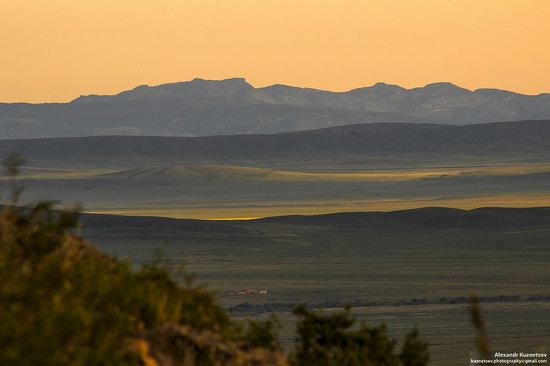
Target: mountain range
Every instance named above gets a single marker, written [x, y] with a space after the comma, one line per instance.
[233, 106]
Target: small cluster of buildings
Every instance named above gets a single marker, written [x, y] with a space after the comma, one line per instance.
[246, 291]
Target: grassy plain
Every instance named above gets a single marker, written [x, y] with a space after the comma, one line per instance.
[418, 254]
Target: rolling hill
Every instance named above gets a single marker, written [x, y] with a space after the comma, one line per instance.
[204, 108]
[431, 218]
[364, 142]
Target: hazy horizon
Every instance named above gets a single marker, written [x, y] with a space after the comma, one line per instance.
[116, 92]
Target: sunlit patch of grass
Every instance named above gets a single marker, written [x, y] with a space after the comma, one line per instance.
[250, 173]
[412, 174]
[47, 174]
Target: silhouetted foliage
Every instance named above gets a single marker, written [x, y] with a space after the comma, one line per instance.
[12, 165]
[414, 352]
[263, 334]
[332, 340]
[63, 302]
[482, 339]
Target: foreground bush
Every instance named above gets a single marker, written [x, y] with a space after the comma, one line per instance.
[330, 339]
[63, 302]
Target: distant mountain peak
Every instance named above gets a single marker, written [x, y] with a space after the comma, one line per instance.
[199, 82]
[144, 86]
[380, 86]
[229, 81]
[444, 86]
[290, 88]
[197, 87]
[494, 92]
[236, 79]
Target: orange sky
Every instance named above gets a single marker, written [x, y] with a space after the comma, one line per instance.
[56, 50]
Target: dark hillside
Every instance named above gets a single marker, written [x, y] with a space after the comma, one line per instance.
[528, 138]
